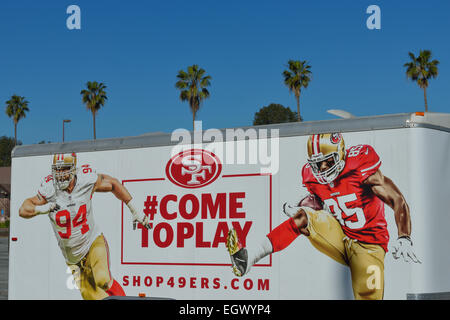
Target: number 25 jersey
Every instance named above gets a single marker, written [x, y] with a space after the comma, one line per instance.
[73, 224]
[359, 211]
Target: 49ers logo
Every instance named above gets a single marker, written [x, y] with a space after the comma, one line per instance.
[336, 138]
[193, 168]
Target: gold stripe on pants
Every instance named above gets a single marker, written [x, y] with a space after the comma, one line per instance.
[92, 273]
[366, 261]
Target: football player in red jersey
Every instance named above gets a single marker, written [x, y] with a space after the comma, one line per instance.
[342, 217]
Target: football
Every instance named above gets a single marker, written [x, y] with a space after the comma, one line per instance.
[311, 201]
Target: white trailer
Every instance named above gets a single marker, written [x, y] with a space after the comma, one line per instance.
[184, 256]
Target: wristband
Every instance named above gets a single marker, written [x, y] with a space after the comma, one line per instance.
[130, 206]
[405, 237]
[43, 209]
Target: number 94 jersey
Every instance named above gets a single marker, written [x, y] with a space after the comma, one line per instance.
[359, 211]
[73, 223]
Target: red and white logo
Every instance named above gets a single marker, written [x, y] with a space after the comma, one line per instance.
[336, 138]
[193, 168]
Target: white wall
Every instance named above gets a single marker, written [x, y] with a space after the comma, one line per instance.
[415, 159]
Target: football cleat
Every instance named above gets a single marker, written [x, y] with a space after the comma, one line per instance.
[238, 254]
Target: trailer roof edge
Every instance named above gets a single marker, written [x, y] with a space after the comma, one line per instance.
[436, 121]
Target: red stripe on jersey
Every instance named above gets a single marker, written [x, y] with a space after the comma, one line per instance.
[42, 196]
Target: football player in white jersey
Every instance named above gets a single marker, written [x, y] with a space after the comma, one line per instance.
[65, 196]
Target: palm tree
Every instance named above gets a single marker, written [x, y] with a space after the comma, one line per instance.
[421, 69]
[94, 98]
[297, 77]
[193, 85]
[16, 108]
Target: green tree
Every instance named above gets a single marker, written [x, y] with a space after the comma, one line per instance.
[421, 69]
[16, 108]
[297, 77]
[274, 113]
[94, 97]
[193, 86]
[6, 146]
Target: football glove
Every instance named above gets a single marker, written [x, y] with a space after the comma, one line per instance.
[46, 208]
[290, 209]
[138, 217]
[404, 247]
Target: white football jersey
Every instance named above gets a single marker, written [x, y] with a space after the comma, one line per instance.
[73, 223]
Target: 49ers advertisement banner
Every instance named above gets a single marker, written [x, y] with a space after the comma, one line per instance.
[369, 238]
[191, 208]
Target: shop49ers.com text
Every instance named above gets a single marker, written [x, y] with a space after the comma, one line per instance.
[195, 283]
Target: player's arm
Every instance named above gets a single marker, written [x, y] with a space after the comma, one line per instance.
[389, 193]
[385, 189]
[33, 206]
[106, 183]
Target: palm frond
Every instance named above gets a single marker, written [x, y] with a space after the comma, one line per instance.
[192, 84]
[420, 69]
[17, 108]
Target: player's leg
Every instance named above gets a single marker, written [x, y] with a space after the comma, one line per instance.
[326, 235]
[79, 279]
[84, 281]
[323, 231]
[89, 290]
[366, 263]
[278, 239]
[98, 260]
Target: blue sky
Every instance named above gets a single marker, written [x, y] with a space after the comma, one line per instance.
[137, 47]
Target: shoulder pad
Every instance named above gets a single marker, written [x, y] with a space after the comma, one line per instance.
[363, 159]
[307, 175]
[86, 174]
[47, 188]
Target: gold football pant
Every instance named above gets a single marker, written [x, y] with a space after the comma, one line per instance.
[366, 261]
[92, 274]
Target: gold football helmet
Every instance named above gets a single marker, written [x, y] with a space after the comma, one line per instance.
[329, 147]
[64, 168]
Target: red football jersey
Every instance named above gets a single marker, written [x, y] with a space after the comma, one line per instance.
[359, 211]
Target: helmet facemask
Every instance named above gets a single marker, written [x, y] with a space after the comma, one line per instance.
[64, 170]
[328, 148]
[329, 175]
[63, 175]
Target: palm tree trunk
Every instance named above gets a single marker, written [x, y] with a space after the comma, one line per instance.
[425, 98]
[298, 107]
[15, 133]
[93, 116]
[194, 109]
